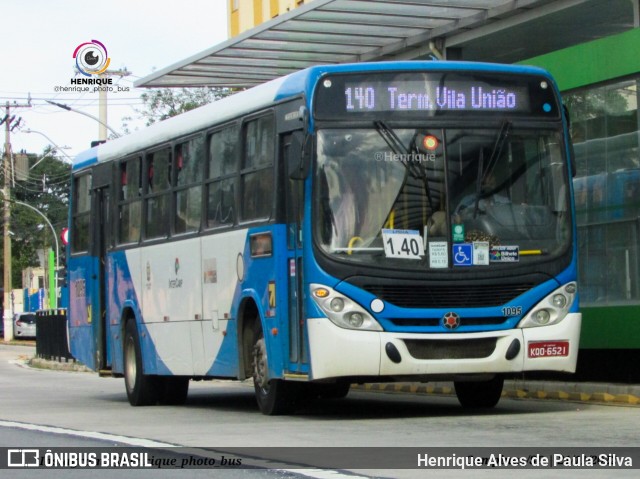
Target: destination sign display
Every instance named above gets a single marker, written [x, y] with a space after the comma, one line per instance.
[430, 96]
[411, 94]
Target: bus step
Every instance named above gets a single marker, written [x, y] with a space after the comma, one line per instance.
[105, 373]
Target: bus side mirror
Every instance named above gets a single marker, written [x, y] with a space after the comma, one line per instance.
[298, 157]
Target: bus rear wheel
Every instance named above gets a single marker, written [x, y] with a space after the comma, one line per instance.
[142, 389]
[479, 394]
[274, 396]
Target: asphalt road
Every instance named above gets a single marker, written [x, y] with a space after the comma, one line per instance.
[223, 415]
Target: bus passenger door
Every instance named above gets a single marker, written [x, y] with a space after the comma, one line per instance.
[291, 147]
[101, 236]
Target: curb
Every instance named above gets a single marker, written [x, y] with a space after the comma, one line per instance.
[70, 365]
[601, 393]
[18, 342]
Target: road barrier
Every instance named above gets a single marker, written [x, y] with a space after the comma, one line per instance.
[51, 335]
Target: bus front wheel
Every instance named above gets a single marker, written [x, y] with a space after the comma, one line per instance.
[142, 389]
[337, 390]
[479, 394]
[274, 396]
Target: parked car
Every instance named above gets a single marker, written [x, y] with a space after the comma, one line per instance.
[24, 325]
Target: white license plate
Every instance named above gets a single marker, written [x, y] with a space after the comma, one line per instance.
[546, 349]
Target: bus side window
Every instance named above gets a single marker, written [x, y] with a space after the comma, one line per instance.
[256, 177]
[222, 177]
[189, 163]
[156, 202]
[81, 213]
[129, 201]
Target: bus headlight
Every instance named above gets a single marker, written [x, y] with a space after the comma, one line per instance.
[542, 317]
[559, 300]
[337, 305]
[355, 319]
[551, 309]
[342, 311]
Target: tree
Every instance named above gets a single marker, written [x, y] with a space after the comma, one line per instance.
[46, 188]
[163, 103]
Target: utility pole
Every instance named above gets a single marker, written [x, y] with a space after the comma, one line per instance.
[102, 105]
[102, 102]
[6, 193]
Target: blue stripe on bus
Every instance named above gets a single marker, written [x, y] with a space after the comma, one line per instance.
[121, 293]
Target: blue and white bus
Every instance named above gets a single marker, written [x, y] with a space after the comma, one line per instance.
[400, 221]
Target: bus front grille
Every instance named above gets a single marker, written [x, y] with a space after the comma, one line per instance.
[451, 348]
[433, 322]
[445, 296]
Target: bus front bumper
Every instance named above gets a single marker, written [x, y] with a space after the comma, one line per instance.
[336, 352]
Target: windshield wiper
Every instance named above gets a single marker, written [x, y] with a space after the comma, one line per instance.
[505, 129]
[493, 159]
[395, 143]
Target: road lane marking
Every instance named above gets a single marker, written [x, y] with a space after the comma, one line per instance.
[138, 442]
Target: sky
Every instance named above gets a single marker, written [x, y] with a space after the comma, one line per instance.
[36, 56]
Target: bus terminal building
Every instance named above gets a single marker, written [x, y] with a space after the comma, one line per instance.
[590, 47]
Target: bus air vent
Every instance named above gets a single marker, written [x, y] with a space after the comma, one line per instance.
[445, 296]
[451, 349]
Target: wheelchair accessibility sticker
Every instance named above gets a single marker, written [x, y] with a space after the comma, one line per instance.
[462, 254]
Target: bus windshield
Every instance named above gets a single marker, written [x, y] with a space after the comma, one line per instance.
[495, 195]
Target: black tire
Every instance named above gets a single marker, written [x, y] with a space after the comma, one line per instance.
[142, 389]
[337, 390]
[173, 390]
[274, 396]
[479, 394]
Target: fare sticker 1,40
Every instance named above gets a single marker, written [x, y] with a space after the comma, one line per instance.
[403, 244]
